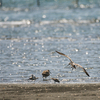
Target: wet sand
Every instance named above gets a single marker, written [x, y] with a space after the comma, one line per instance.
[49, 91]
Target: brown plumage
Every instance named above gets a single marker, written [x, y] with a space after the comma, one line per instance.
[83, 69]
[65, 56]
[56, 80]
[73, 65]
[46, 73]
[71, 62]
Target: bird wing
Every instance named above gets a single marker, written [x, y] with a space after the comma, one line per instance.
[64, 55]
[83, 69]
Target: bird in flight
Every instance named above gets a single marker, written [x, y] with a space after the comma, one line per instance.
[73, 65]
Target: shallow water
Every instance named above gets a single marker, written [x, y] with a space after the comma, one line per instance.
[30, 35]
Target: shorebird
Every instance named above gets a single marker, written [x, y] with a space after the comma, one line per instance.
[73, 65]
[46, 73]
[33, 77]
[55, 80]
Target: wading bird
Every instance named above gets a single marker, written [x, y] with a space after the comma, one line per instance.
[33, 77]
[55, 80]
[73, 65]
[45, 73]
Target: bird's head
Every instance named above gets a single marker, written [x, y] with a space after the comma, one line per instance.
[49, 71]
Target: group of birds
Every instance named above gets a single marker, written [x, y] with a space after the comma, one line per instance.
[46, 73]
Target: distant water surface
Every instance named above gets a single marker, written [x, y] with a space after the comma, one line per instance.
[30, 35]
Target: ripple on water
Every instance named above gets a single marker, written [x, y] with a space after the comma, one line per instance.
[28, 46]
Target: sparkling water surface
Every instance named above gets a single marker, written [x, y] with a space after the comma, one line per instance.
[30, 35]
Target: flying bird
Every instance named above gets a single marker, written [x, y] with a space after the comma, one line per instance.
[73, 65]
[71, 62]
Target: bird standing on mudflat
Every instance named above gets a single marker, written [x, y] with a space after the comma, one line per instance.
[46, 73]
[55, 80]
[73, 65]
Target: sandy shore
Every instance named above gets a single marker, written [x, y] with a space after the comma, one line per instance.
[49, 91]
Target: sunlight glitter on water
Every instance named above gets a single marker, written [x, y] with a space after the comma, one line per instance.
[30, 36]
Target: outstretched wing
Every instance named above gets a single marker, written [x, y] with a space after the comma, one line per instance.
[64, 55]
[83, 69]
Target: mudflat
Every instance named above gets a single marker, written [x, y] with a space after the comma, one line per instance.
[50, 91]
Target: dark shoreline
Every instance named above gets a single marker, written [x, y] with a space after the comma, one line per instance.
[50, 91]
